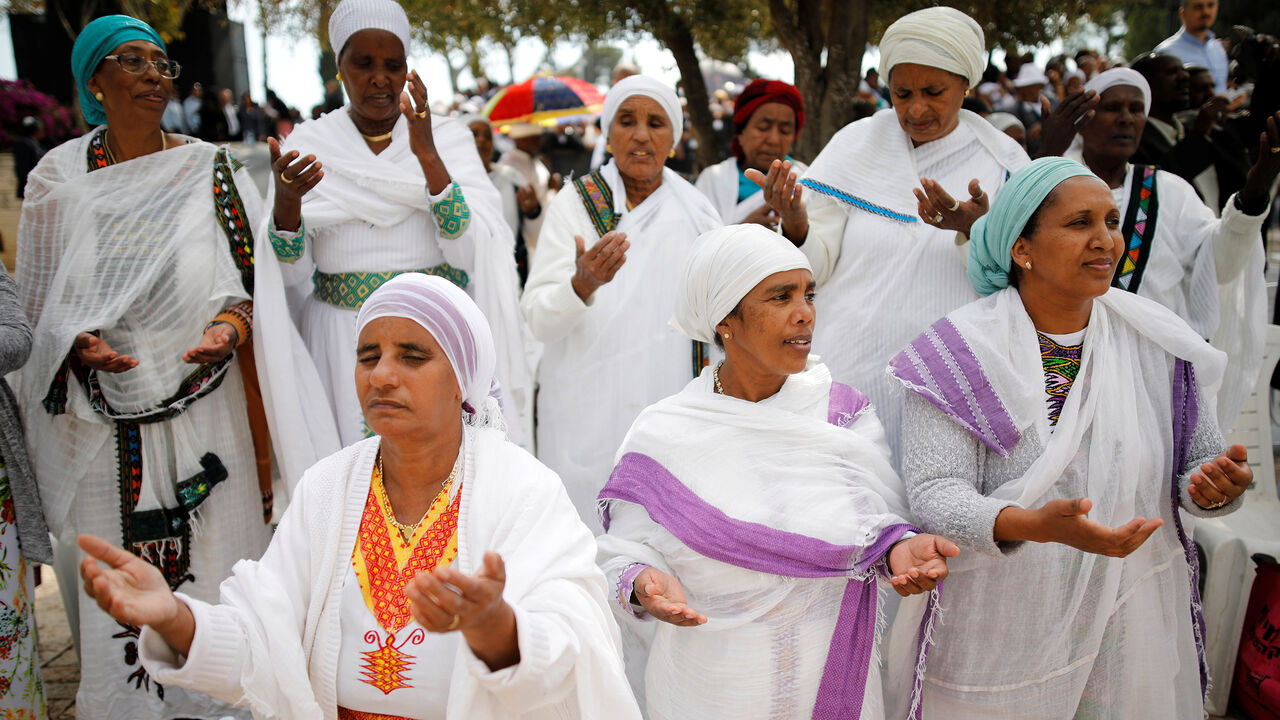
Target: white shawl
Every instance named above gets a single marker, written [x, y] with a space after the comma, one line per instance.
[272, 643]
[135, 249]
[385, 189]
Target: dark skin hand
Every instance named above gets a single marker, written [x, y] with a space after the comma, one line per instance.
[1257, 185]
[597, 266]
[1222, 479]
[96, 354]
[445, 600]
[1059, 126]
[932, 201]
[217, 343]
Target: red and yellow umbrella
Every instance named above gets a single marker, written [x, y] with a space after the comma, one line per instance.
[543, 98]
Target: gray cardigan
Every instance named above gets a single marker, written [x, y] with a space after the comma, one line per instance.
[15, 346]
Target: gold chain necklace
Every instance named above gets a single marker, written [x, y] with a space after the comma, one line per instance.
[715, 378]
[407, 531]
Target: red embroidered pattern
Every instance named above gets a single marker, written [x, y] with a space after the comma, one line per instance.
[345, 714]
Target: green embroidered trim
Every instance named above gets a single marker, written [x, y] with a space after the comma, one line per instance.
[288, 250]
[232, 216]
[350, 290]
[597, 198]
[452, 214]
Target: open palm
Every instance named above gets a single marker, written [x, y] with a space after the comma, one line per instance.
[662, 597]
[128, 588]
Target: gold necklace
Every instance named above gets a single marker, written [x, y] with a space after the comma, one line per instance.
[715, 378]
[407, 531]
[377, 138]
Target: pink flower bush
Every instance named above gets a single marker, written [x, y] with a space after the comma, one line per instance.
[18, 99]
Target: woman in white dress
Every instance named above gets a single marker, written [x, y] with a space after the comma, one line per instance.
[434, 571]
[883, 211]
[382, 187]
[609, 351]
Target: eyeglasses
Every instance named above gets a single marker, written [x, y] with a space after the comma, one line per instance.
[137, 65]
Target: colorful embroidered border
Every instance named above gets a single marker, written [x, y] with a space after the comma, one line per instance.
[200, 382]
[289, 249]
[55, 401]
[98, 154]
[348, 714]
[1061, 365]
[452, 213]
[701, 357]
[597, 198]
[857, 202]
[232, 217]
[1139, 228]
[350, 290]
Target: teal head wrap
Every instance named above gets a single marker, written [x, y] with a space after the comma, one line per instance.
[993, 235]
[95, 42]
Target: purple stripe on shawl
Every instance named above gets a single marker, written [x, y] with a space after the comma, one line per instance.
[845, 405]
[1186, 414]
[708, 531]
[942, 368]
[626, 585]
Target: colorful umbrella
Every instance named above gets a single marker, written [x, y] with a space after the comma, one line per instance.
[543, 98]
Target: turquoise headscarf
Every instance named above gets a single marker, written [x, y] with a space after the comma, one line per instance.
[993, 235]
[95, 42]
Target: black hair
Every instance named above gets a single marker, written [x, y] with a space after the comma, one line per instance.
[975, 104]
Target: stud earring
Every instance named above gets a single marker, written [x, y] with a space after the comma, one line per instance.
[339, 77]
[608, 148]
[98, 96]
[672, 153]
[726, 336]
[1028, 264]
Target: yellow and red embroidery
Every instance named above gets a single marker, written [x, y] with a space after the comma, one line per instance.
[345, 714]
[384, 563]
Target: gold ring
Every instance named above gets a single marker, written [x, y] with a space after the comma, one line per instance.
[1275, 149]
[937, 219]
[421, 114]
[454, 625]
[955, 205]
[285, 180]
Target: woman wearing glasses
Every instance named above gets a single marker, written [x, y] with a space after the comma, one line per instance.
[143, 409]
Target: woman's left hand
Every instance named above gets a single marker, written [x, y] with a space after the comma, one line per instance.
[218, 342]
[1221, 480]
[1257, 186]
[919, 563]
[413, 105]
[939, 209]
[445, 600]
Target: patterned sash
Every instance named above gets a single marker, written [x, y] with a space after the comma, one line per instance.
[1139, 228]
[350, 290]
[597, 198]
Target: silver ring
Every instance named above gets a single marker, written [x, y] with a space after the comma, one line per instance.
[937, 219]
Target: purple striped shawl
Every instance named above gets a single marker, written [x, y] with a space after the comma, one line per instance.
[1186, 413]
[707, 530]
[942, 368]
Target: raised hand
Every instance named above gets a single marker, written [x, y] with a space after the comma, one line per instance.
[445, 600]
[1221, 480]
[1257, 186]
[597, 266]
[413, 105]
[1066, 521]
[939, 209]
[1059, 126]
[1210, 114]
[218, 342]
[293, 177]
[95, 353]
[527, 198]
[134, 592]
[662, 597]
[919, 563]
[783, 193]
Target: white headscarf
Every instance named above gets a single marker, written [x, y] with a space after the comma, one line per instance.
[452, 318]
[940, 37]
[1122, 76]
[352, 16]
[650, 88]
[724, 265]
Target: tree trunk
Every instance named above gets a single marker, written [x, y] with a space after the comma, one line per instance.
[675, 34]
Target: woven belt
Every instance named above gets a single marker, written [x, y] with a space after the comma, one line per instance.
[350, 290]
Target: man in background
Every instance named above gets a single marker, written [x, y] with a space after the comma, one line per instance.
[1195, 43]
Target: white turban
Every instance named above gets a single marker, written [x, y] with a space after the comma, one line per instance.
[352, 16]
[650, 88]
[724, 265]
[1003, 121]
[940, 37]
[470, 119]
[1122, 76]
[455, 321]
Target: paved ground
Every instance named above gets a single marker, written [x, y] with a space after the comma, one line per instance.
[59, 665]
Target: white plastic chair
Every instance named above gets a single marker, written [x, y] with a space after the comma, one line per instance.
[1230, 542]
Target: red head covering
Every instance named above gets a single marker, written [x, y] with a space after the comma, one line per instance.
[760, 92]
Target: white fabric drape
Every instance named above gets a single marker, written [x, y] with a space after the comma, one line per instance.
[606, 361]
[1109, 634]
[720, 184]
[781, 464]
[371, 213]
[273, 642]
[881, 281]
[135, 250]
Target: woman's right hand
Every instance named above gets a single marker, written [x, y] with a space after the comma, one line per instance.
[96, 354]
[1060, 125]
[293, 178]
[597, 266]
[785, 195]
[661, 596]
[134, 592]
[1066, 521]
